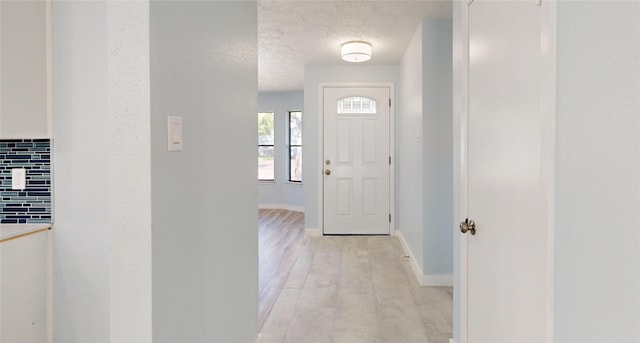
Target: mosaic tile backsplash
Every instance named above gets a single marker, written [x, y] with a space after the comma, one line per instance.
[33, 204]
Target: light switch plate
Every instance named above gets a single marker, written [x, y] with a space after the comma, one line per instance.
[174, 131]
[18, 178]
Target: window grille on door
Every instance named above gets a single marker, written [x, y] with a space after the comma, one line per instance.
[356, 105]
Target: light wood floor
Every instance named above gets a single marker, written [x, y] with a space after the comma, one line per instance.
[280, 243]
[357, 289]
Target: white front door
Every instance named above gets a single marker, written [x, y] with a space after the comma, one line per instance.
[508, 257]
[356, 160]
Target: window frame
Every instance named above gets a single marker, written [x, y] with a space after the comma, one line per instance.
[272, 145]
[289, 146]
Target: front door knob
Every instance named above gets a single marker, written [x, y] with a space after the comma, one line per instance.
[468, 225]
[327, 172]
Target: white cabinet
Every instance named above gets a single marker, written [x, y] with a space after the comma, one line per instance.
[23, 69]
[23, 288]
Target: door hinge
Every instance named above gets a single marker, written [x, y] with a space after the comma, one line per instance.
[389, 160]
[389, 102]
[389, 217]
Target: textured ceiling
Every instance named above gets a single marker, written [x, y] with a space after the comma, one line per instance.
[294, 33]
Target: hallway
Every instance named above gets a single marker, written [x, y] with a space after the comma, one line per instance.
[357, 289]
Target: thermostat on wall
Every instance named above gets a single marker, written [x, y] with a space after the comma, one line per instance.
[174, 130]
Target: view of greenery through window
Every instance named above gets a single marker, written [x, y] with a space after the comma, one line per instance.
[266, 151]
[265, 146]
[295, 146]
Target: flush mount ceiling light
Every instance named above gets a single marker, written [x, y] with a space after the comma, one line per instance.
[356, 51]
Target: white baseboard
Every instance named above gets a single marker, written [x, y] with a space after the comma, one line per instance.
[417, 270]
[437, 280]
[423, 280]
[281, 207]
[312, 232]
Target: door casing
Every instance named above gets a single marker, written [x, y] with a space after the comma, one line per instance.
[321, 88]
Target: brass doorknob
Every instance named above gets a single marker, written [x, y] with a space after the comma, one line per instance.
[468, 225]
[327, 172]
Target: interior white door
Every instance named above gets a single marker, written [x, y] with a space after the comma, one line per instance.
[507, 275]
[356, 160]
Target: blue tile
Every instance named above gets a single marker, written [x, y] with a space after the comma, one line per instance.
[37, 194]
[17, 217]
[14, 210]
[36, 189]
[34, 203]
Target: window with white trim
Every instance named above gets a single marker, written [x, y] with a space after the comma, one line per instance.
[266, 165]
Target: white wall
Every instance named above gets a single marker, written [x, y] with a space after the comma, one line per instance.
[409, 140]
[205, 262]
[437, 152]
[597, 229]
[281, 193]
[23, 69]
[129, 159]
[81, 263]
[311, 164]
[113, 175]
[424, 165]
[102, 248]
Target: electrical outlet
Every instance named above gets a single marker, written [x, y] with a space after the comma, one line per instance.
[18, 178]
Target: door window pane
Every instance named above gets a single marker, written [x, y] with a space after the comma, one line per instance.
[356, 104]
